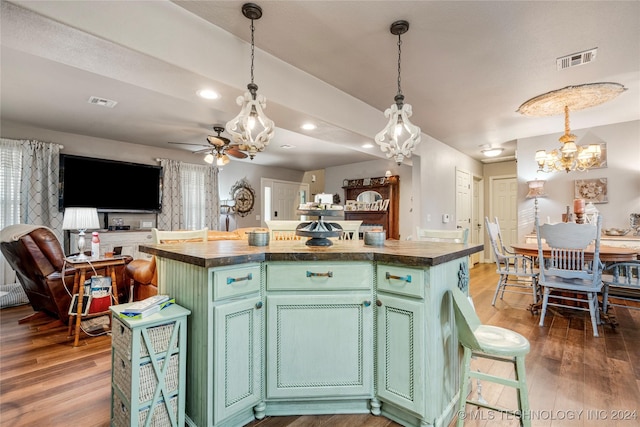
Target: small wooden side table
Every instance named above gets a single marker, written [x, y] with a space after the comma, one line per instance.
[81, 267]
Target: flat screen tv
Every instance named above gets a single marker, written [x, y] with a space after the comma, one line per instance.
[109, 185]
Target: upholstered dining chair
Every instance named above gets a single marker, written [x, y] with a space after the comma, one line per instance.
[515, 271]
[568, 269]
[495, 343]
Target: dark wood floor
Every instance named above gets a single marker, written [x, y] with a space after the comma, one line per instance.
[574, 379]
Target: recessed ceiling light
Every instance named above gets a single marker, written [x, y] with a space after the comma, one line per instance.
[208, 94]
[287, 146]
[308, 126]
[492, 152]
[367, 145]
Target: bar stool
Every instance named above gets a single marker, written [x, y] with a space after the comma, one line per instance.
[490, 342]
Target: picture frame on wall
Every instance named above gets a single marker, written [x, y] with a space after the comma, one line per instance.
[592, 190]
[603, 157]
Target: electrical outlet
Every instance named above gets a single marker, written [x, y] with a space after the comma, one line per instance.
[428, 217]
[257, 217]
[445, 218]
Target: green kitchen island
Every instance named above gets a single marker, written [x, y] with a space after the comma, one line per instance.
[287, 329]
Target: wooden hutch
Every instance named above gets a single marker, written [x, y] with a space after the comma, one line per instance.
[389, 189]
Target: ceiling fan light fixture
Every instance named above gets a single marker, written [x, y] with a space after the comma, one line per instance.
[399, 137]
[251, 128]
[209, 158]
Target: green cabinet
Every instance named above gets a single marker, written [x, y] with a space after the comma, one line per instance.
[401, 374]
[417, 348]
[319, 335]
[237, 356]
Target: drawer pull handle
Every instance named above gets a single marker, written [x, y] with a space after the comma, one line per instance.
[367, 303]
[379, 303]
[259, 305]
[231, 280]
[327, 274]
[406, 278]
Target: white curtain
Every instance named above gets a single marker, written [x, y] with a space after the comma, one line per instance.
[189, 196]
[28, 189]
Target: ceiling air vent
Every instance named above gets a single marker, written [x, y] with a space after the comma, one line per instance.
[102, 102]
[576, 59]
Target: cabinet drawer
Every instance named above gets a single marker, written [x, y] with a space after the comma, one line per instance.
[401, 280]
[234, 281]
[311, 276]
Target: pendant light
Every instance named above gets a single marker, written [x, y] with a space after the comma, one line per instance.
[251, 129]
[399, 138]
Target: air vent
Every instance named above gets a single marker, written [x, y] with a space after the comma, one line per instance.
[102, 102]
[576, 59]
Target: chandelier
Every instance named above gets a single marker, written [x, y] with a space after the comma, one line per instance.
[251, 129]
[570, 156]
[399, 137]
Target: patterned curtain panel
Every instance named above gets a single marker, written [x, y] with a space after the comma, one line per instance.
[171, 216]
[39, 186]
[28, 189]
[189, 196]
[212, 198]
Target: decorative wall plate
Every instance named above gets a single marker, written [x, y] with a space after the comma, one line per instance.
[244, 197]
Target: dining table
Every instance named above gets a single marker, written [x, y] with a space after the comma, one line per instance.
[607, 253]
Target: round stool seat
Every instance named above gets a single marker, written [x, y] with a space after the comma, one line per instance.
[501, 341]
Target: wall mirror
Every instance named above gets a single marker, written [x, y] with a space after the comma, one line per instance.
[369, 197]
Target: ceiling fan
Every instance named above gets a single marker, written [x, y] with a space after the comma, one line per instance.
[218, 149]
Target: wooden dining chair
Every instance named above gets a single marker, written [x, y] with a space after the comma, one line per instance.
[459, 235]
[567, 269]
[515, 271]
[621, 281]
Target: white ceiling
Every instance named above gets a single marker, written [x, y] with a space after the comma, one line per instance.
[466, 67]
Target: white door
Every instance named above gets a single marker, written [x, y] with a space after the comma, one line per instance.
[477, 225]
[282, 199]
[463, 199]
[504, 193]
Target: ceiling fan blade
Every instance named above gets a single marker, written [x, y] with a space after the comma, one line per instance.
[186, 143]
[236, 153]
[218, 141]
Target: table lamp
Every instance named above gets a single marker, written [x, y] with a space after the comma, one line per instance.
[80, 219]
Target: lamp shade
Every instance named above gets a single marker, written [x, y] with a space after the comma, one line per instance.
[80, 219]
[536, 189]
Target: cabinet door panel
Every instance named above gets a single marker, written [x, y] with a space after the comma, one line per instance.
[401, 353]
[237, 362]
[319, 346]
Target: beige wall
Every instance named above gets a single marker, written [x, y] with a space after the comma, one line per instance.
[622, 173]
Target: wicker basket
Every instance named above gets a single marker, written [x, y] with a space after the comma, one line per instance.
[159, 335]
[160, 417]
[148, 381]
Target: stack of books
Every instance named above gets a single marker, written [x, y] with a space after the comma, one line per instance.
[146, 307]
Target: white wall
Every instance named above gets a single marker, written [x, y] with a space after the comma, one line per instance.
[117, 150]
[426, 188]
[622, 173]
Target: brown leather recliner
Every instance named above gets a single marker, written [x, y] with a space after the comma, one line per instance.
[37, 257]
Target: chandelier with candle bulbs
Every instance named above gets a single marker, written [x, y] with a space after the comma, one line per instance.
[570, 156]
[399, 137]
[251, 129]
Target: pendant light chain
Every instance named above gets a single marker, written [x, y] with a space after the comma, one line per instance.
[399, 57]
[252, 49]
